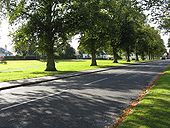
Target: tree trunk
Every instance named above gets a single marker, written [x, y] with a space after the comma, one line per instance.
[50, 62]
[50, 58]
[137, 57]
[149, 56]
[115, 56]
[153, 56]
[128, 55]
[93, 54]
[143, 56]
[49, 40]
[93, 59]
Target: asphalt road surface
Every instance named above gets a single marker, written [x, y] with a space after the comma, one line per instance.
[87, 101]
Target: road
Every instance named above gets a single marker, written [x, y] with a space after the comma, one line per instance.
[87, 101]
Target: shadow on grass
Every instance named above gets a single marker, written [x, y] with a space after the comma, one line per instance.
[155, 115]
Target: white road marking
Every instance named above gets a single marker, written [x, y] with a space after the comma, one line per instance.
[96, 81]
[19, 104]
[119, 74]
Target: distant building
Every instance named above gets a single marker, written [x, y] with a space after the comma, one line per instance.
[100, 56]
[86, 56]
[4, 52]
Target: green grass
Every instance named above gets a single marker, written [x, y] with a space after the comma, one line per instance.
[154, 110]
[15, 70]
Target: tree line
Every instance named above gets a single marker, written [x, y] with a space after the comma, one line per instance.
[112, 26]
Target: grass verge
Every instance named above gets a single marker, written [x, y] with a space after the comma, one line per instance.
[154, 110]
[15, 70]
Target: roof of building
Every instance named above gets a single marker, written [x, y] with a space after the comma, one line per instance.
[3, 51]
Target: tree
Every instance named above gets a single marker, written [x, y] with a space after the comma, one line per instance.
[66, 52]
[23, 42]
[150, 42]
[142, 41]
[90, 24]
[91, 43]
[45, 22]
[112, 30]
[130, 19]
[166, 25]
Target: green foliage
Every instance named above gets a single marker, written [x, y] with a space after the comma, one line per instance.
[122, 28]
[66, 52]
[159, 10]
[43, 23]
[47, 25]
[92, 27]
[24, 43]
[149, 42]
[166, 25]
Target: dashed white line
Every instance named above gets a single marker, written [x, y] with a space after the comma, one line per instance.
[96, 81]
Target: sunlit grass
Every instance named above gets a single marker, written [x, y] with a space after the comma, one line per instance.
[15, 70]
[154, 110]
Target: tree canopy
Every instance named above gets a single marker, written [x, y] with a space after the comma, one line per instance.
[47, 25]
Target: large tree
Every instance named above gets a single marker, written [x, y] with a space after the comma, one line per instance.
[113, 26]
[124, 19]
[149, 42]
[44, 21]
[130, 20]
[24, 42]
[89, 17]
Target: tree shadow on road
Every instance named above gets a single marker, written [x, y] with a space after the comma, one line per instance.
[74, 102]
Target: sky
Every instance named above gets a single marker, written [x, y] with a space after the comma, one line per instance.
[6, 40]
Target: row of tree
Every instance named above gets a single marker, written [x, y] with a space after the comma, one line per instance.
[112, 25]
[127, 30]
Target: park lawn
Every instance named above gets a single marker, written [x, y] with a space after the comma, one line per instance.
[15, 70]
[154, 110]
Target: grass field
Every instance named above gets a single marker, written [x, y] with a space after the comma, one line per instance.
[154, 110]
[15, 70]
